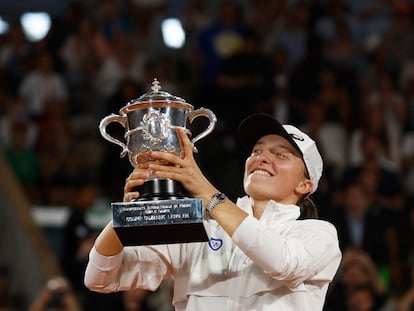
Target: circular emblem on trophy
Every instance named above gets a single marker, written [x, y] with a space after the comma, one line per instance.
[155, 127]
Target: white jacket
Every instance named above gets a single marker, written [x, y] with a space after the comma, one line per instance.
[275, 263]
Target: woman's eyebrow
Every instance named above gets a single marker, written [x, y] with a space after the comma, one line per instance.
[284, 147]
[276, 147]
[258, 143]
[288, 148]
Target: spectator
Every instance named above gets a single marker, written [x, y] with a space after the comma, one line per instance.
[330, 136]
[372, 19]
[113, 18]
[357, 271]
[280, 104]
[372, 123]
[404, 300]
[343, 52]
[361, 224]
[268, 18]
[388, 97]
[17, 112]
[56, 295]
[381, 181]
[195, 17]
[78, 235]
[124, 62]
[362, 298]
[334, 97]
[221, 39]
[23, 160]
[58, 165]
[244, 81]
[14, 56]
[77, 239]
[332, 15]
[41, 85]
[135, 300]
[294, 34]
[82, 51]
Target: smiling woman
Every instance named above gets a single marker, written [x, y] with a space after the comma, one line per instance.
[259, 125]
[260, 255]
[276, 164]
[284, 142]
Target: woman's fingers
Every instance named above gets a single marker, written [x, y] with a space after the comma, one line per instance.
[134, 180]
[166, 171]
[186, 142]
[182, 169]
[129, 196]
[172, 158]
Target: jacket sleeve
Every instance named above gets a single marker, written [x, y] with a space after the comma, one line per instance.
[306, 250]
[125, 270]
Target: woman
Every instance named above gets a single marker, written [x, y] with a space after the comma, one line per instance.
[260, 255]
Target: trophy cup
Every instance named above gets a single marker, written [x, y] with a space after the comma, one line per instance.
[164, 212]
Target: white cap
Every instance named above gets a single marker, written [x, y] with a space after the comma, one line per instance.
[258, 125]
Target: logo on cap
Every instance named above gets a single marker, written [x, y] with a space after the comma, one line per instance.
[297, 137]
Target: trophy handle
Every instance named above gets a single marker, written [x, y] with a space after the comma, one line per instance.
[102, 128]
[202, 112]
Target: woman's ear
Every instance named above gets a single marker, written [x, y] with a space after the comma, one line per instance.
[304, 187]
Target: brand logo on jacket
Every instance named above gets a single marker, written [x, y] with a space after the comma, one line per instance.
[215, 244]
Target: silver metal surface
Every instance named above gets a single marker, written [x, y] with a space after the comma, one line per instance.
[151, 124]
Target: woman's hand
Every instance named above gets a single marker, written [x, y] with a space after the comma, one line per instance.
[184, 170]
[135, 179]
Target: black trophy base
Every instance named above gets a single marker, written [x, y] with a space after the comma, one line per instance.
[161, 189]
[155, 222]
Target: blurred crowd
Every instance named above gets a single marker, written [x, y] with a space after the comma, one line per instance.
[342, 70]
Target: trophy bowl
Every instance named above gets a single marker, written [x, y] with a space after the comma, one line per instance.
[164, 213]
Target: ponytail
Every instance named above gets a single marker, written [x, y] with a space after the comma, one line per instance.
[308, 208]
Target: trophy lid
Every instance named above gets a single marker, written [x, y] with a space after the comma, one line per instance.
[155, 98]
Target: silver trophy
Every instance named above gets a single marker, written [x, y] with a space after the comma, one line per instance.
[164, 213]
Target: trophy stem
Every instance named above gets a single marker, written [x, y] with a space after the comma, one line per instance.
[161, 189]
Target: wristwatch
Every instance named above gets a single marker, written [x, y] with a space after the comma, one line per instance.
[217, 198]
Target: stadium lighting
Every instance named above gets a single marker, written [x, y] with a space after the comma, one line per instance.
[173, 33]
[35, 25]
[4, 26]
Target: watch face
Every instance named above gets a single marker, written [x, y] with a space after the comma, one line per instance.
[221, 196]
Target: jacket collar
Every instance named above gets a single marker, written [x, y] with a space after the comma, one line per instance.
[274, 210]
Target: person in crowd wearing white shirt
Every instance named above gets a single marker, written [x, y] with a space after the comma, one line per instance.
[267, 251]
[42, 85]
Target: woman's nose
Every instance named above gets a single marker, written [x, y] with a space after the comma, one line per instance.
[262, 157]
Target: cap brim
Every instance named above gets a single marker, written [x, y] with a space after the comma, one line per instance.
[255, 126]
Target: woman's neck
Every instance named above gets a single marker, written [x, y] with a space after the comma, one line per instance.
[258, 207]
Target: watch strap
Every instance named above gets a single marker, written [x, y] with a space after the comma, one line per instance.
[217, 198]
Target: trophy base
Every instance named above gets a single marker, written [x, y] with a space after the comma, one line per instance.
[161, 189]
[155, 222]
